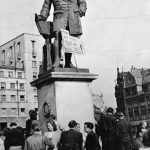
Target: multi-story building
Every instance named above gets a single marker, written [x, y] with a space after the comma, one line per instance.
[133, 94]
[20, 59]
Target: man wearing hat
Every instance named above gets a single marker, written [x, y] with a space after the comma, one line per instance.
[107, 129]
[124, 132]
[37, 141]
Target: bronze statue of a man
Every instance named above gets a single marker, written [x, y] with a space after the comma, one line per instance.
[67, 15]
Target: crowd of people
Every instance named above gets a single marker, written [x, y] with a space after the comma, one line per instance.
[116, 132]
[110, 132]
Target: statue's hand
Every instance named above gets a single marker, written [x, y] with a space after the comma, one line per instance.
[39, 18]
[81, 13]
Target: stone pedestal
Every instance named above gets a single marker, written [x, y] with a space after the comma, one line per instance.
[68, 94]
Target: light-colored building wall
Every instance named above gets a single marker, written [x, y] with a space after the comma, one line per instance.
[19, 65]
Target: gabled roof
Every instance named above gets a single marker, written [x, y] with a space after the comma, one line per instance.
[141, 76]
[137, 74]
[146, 76]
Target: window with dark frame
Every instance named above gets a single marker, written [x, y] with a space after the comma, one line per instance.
[10, 74]
[12, 86]
[22, 98]
[3, 85]
[19, 74]
[21, 86]
[34, 65]
[3, 98]
[13, 98]
[1, 73]
[34, 75]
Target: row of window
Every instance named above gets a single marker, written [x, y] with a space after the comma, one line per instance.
[137, 113]
[15, 50]
[20, 74]
[139, 100]
[13, 98]
[13, 111]
[12, 86]
[11, 74]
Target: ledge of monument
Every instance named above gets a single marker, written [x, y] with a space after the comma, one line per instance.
[79, 70]
[67, 74]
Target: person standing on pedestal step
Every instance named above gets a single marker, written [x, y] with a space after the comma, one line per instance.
[71, 139]
[91, 142]
[67, 15]
[124, 133]
[33, 116]
[107, 130]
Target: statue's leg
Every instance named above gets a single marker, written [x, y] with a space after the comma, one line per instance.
[68, 63]
[57, 49]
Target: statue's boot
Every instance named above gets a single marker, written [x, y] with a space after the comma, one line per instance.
[68, 63]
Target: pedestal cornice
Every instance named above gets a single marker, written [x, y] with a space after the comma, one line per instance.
[64, 76]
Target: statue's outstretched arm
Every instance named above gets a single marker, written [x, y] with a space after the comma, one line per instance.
[45, 9]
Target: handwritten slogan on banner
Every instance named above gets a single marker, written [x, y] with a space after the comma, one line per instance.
[71, 44]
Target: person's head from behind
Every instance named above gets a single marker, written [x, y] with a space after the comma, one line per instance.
[36, 126]
[139, 134]
[78, 127]
[13, 125]
[33, 115]
[72, 124]
[120, 115]
[110, 110]
[88, 126]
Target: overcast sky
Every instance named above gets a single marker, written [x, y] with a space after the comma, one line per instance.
[115, 32]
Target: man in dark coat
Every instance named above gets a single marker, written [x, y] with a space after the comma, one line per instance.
[124, 129]
[107, 130]
[71, 139]
[91, 142]
[67, 15]
[33, 116]
[14, 137]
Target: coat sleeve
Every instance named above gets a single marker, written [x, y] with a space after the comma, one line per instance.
[82, 7]
[26, 145]
[80, 141]
[46, 9]
[49, 142]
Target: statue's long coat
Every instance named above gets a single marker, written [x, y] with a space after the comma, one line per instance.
[66, 13]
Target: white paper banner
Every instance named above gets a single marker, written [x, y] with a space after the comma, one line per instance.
[71, 44]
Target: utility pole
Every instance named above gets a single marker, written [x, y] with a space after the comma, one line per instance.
[17, 98]
[16, 79]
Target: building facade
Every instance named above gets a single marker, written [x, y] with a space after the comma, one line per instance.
[133, 94]
[20, 59]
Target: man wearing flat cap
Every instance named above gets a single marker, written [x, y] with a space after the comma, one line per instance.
[124, 129]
